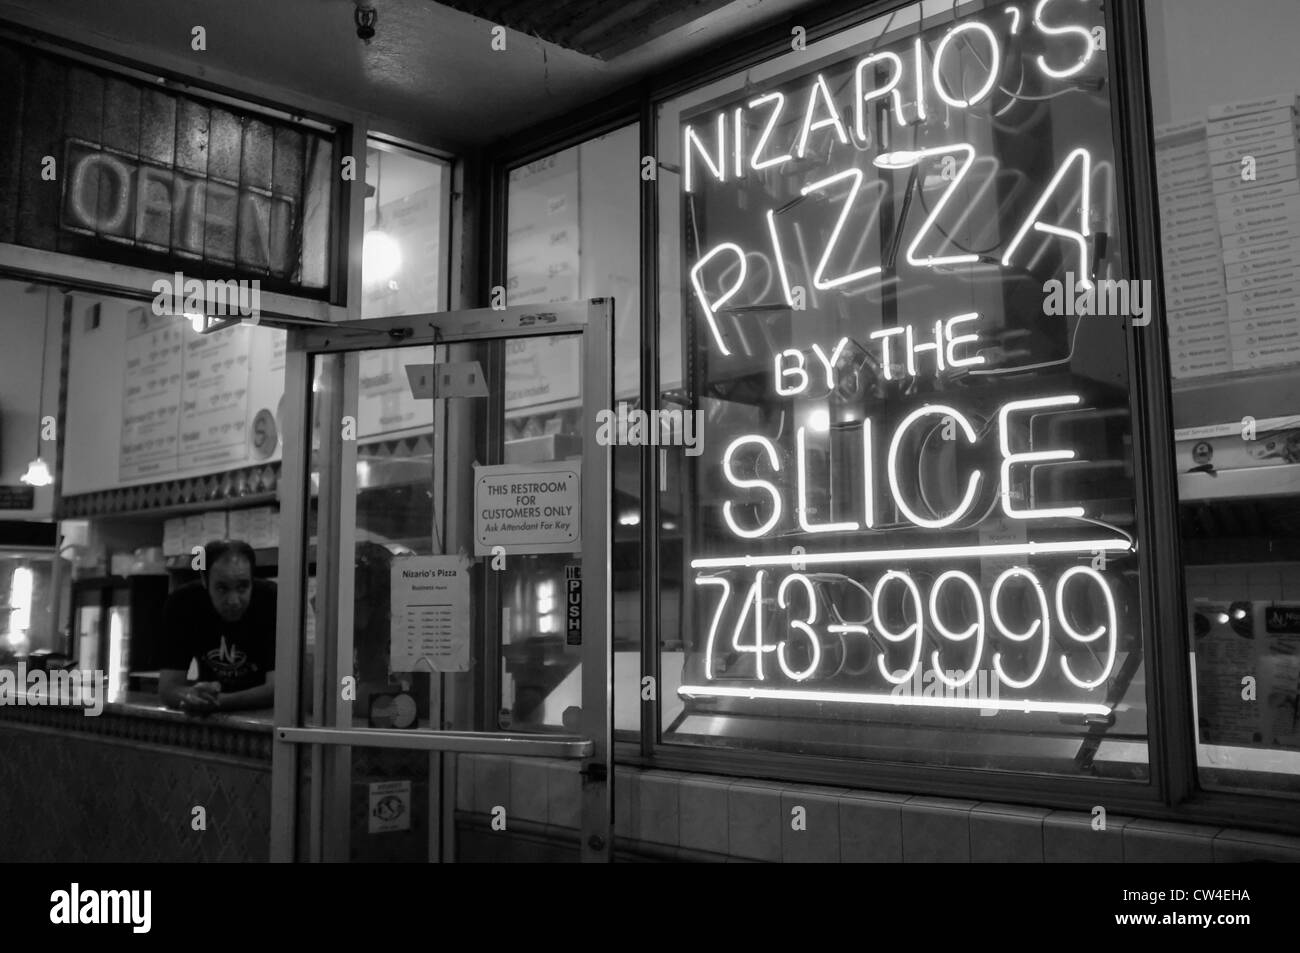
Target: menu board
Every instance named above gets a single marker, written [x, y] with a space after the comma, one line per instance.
[185, 397]
[542, 374]
[214, 400]
[1230, 230]
[543, 261]
[542, 242]
[151, 395]
[1247, 663]
[384, 400]
[430, 614]
[1196, 293]
[150, 399]
[1257, 197]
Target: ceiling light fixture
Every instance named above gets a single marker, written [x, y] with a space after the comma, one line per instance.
[365, 17]
[38, 471]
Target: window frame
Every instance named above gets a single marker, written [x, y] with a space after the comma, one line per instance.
[376, 138]
[602, 118]
[1172, 791]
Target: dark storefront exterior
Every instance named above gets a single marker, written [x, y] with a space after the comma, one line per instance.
[918, 382]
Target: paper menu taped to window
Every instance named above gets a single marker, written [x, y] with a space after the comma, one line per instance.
[430, 616]
[1255, 639]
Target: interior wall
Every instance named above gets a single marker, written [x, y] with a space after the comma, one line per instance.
[1207, 52]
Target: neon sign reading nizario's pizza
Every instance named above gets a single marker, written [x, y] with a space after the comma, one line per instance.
[816, 602]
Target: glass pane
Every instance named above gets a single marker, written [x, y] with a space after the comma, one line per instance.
[508, 655]
[541, 660]
[911, 534]
[404, 255]
[516, 622]
[388, 805]
[572, 235]
[1226, 153]
[384, 815]
[310, 705]
[303, 757]
[394, 519]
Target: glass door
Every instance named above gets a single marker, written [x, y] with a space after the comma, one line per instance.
[449, 598]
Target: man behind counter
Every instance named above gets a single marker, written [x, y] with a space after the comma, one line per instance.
[225, 621]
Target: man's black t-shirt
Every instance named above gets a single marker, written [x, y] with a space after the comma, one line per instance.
[236, 654]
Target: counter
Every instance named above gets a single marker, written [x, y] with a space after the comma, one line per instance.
[126, 784]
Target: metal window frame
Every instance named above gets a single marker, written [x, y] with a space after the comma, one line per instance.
[1173, 791]
[1135, 141]
[606, 116]
[329, 742]
[362, 139]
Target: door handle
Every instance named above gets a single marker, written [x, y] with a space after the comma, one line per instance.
[571, 747]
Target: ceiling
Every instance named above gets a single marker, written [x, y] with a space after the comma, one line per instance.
[604, 30]
[430, 71]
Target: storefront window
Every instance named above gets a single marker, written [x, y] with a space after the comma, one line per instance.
[571, 236]
[1223, 97]
[891, 271]
[404, 251]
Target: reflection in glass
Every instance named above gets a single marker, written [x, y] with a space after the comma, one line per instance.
[404, 254]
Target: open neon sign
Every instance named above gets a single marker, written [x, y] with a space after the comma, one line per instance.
[855, 614]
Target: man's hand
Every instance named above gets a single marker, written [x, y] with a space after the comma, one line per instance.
[200, 698]
[260, 696]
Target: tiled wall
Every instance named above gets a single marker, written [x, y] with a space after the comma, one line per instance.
[670, 815]
[76, 798]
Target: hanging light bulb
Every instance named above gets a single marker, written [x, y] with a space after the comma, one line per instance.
[38, 471]
[381, 255]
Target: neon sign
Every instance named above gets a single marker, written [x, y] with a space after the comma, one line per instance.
[126, 199]
[920, 493]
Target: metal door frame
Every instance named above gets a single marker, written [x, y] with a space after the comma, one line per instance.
[329, 774]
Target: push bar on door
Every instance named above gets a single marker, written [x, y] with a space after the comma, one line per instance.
[465, 742]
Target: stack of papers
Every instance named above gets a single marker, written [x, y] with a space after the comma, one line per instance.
[1195, 289]
[1252, 147]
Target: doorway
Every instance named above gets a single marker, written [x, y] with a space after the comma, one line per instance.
[444, 590]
